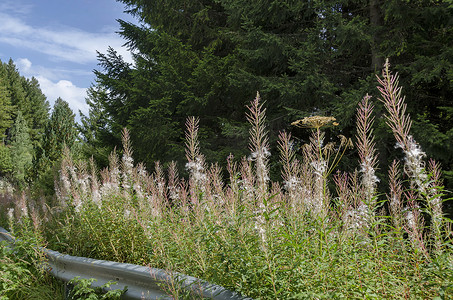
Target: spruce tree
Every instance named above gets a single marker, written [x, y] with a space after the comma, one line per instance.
[21, 150]
[25, 95]
[6, 164]
[38, 109]
[5, 105]
[208, 58]
[60, 131]
[15, 87]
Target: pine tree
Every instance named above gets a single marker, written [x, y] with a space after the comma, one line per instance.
[38, 112]
[25, 95]
[95, 137]
[5, 105]
[21, 150]
[60, 131]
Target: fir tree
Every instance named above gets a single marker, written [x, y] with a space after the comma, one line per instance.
[6, 164]
[5, 106]
[60, 131]
[21, 150]
[38, 109]
[208, 58]
[25, 95]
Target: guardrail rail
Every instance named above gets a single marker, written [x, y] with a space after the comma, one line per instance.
[141, 282]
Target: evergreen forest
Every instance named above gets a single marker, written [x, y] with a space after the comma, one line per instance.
[222, 138]
[209, 58]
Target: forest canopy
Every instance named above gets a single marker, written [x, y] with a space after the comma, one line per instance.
[209, 58]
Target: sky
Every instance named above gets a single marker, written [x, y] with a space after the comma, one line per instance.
[56, 41]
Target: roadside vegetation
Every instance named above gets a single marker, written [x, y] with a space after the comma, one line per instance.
[321, 233]
[318, 191]
[22, 270]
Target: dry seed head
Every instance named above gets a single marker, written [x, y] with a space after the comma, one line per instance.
[328, 149]
[343, 139]
[350, 144]
[314, 122]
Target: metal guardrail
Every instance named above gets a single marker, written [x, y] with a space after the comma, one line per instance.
[142, 282]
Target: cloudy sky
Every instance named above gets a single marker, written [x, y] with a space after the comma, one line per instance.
[56, 42]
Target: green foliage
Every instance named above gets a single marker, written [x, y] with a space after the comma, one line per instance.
[254, 237]
[37, 113]
[21, 150]
[60, 132]
[23, 114]
[82, 290]
[14, 275]
[5, 105]
[21, 274]
[26, 96]
[6, 164]
[311, 57]
[92, 129]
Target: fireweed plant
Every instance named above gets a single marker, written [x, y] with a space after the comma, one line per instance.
[269, 240]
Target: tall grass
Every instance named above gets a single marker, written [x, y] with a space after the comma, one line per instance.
[270, 240]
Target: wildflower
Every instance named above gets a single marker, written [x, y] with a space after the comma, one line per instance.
[83, 182]
[260, 223]
[369, 178]
[414, 164]
[197, 171]
[128, 164]
[367, 151]
[358, 218]
[138, 191]
[320, 167]
[410, 219]
[291, 183]
[65, 180]
[259, 154]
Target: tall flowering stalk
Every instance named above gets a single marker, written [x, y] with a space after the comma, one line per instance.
[232, 193]
[259, 146]
[435, 203]
[367, 153]
[291, 171]
[414, 222]
[395, 197]
[401, 123]
[173, 183]
[259, 143]
[127, 165]
[414, 166]
[314, 152]
[195, 160]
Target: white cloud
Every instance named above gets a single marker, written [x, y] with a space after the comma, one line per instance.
[66, 90]
[64, 43]
[28, 70]
[74, 50]
[24, 65]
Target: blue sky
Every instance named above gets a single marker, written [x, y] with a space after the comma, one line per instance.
[56, 42]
